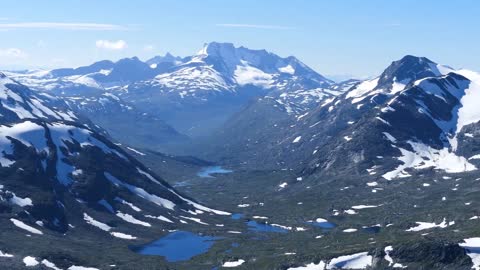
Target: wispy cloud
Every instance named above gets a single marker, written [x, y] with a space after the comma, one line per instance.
[148, 48]
[63, 26]
[111, 45]
[12, 53]
[255, 26]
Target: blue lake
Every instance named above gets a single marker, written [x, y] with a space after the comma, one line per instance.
[261, 227]
[178, 246]
[207, 172]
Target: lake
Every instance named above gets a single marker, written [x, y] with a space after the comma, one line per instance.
[178, 246]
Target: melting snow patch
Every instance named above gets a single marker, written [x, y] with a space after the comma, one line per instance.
[355, 261]
[141, 192]
[197, 220]
[287, 69]
[50, 264]
[136, 151]
[131, 219]
[123, 236]
[5, 255]
[358, 207]
[383, 121]
[312, 266]
[30, 261]
[22, 202]
[75, 267]
[472, 245]
[233, 263]
[24, 226]
[424, 156]
[426, 225]
[162, 218]
[362, 90]
[390, 137]
[474, 157]
[389, 259]
[131, 205]
[98, 224]
[349, 212]
[297, 139]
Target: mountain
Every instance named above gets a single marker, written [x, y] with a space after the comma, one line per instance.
[200, 93]
[124, 122]
[62, 180]
[89, 92]
[193, 95]
[154, 62]
[414, 115]
[223, 67]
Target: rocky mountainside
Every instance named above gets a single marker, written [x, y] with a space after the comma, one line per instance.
[414, 114]
[58, 176]
[89, 91]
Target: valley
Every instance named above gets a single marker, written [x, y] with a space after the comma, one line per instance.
[234, 157]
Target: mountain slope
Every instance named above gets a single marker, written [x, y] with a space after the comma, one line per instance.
[87, 92]
[415, 125]
[57, 176]
[412, 114]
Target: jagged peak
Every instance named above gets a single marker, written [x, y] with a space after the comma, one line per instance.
[411, 68]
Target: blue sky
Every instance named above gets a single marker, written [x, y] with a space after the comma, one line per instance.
[338, 37]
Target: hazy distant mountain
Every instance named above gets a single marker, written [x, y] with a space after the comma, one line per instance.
[195, 94]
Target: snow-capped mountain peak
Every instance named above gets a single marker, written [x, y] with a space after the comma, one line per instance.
[17, 102]
[397, 76]
[222, 67]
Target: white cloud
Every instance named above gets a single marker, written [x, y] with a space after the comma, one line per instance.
[148, 48]
[256, 26]
[62, 26]
[111, 45]
[13, 53]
